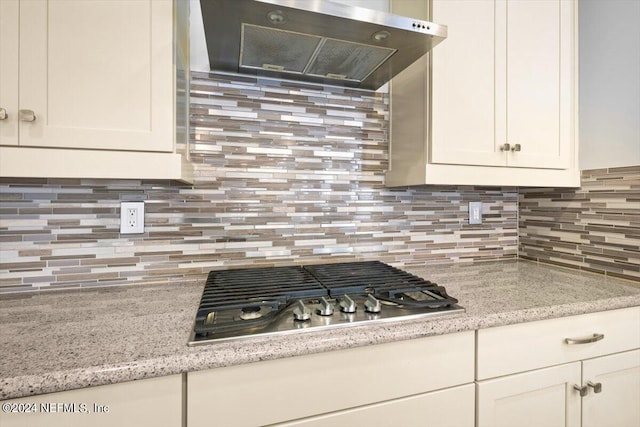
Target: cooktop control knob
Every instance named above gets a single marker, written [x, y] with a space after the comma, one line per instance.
[372, 305]
[347, 305]
[325, 308]
[301, 312]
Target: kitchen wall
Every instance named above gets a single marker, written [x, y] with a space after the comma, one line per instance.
[595, 227]
[285, 173]
[609, 83]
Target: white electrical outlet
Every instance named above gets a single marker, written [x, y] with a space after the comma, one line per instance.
[475, 212]
[131, 217]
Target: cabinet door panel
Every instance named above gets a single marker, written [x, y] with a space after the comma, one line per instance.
[617, 403]
[452, 407]
[539, 80]
[97, 74]
[9, 14]
[145, 403]
[538, 398]
[463, 82]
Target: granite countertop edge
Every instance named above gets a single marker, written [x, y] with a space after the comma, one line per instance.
[260, 349]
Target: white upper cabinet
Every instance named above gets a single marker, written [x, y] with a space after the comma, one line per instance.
[84, 80]
[539, 77]
[9, 17]
[464, 101]
[97, 74]
[497, 104]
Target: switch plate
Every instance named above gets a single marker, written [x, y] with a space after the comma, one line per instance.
[131, 217]
[475, 212]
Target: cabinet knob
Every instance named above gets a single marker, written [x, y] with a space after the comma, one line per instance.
[597, 387]
[582, 389]
[516, 147]
[3, 114]
[505, 147]
[27, 116]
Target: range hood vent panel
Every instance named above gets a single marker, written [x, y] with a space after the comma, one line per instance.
[262, 46]
[354, 61]
[314, 41]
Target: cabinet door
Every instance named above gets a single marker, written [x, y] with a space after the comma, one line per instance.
[539, 74]
[454, 407]
[146, 403]
[617, 403]
[97, 74]
[463, 106]
[538, 398]
[9, 13]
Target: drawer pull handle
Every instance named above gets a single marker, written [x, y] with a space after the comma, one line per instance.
[593, 338]
[583, 390]
[597, 387]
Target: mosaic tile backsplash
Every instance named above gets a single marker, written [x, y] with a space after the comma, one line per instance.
[286, 173]
[595, 228]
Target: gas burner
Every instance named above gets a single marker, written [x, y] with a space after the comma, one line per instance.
[250, 313]
[238, 304]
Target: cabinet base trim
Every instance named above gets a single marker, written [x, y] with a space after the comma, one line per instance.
[22, 162]
[482, 175]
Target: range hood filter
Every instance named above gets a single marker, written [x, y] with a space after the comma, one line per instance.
[354, 61]
[261, 48]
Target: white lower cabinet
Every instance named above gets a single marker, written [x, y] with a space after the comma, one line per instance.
[151, 402]
[579, 371]
[542, 398]
[413, 382]
[551, 397]
[618, 401]
[452, 407]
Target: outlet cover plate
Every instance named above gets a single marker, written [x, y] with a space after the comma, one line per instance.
[131, 217]
[475, 212]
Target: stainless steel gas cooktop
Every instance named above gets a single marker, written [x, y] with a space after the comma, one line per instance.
[243, 303]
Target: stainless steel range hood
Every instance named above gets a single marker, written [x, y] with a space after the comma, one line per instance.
[314, 41]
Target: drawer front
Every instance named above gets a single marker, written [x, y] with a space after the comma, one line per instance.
[286, 389]
[452, 407]
[516, 348]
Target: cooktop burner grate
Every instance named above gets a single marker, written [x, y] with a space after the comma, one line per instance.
[341, 278]
[226, 287]
[258, 300]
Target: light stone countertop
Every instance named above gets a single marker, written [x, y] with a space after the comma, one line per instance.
[56, 341]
